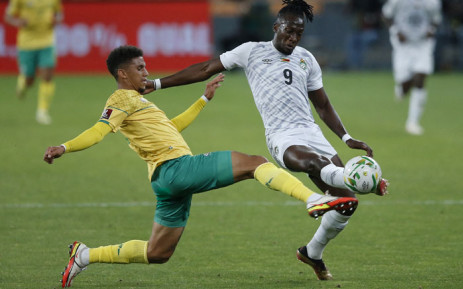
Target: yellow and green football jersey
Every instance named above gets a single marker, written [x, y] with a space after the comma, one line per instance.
[149, 131]
[39, 14]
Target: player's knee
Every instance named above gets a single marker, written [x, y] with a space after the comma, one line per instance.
[260, 160]
[418, 80]
[255, 161]
[314, 165]
[29, 81]
[158, 259]
[157, 256]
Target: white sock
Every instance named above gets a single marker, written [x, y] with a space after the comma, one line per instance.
[331, 225]
[399, 91]
[333, 176]
[314, 197]
[418, 99]
[84, 258]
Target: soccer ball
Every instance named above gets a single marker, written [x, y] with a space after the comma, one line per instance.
[362, 175]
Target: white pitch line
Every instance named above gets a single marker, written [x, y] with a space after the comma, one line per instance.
[218, 204]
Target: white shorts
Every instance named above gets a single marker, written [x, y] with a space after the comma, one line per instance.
[312, 137]
[409, 59]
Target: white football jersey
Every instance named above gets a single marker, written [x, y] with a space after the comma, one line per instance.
[279, 83]
[413, 18]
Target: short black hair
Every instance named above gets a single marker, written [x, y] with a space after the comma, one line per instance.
[298, 8]
[121, 56]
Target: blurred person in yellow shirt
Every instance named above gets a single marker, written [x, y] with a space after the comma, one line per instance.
[36, 20]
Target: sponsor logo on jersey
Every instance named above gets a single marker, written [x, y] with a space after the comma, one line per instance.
[106, 113]
[267, 61]
[284, 59]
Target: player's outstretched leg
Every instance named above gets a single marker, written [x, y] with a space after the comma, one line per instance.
[317, 205]
[343, 205]
[74, 266]
[318, 266]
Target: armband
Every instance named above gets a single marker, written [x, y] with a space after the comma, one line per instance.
[157, 84]
[346, 137]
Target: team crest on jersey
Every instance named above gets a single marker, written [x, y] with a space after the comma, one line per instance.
[106, 113]
[303, 64]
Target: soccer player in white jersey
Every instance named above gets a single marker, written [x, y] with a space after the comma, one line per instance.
[412, 28]
[283, 78]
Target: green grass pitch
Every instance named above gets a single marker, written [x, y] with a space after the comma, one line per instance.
[243, 236]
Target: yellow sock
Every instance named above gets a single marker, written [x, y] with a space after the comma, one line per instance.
[278, 179]
[46, 92]
[21, 84]
[133, 251]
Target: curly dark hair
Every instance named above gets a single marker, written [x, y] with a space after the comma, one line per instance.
[296, 7]
[120, 57]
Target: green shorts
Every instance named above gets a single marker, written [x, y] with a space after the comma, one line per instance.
[175, 182]
[30, 60]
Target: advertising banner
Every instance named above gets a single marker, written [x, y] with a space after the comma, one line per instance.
[172, 35]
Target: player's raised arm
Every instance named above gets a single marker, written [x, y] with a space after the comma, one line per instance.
[85, 140]
[184, 119]
[194, 73]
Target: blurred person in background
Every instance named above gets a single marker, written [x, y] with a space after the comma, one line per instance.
[366, 21]
[253, 26]
[412, 27]
[36, 20]
[449, 46]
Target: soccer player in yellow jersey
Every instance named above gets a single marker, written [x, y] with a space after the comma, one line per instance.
[35, 20]
[175, 173]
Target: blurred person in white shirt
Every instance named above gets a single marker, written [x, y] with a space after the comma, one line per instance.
[412, 28]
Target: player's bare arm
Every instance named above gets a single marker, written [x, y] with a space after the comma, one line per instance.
[194, 73]
[389, 22]
[326, 111]
[431, 33]
[15, 21]
[330, 117]
[58, 19]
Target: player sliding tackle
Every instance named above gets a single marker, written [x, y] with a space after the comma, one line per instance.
[283, 78]
[175, 173]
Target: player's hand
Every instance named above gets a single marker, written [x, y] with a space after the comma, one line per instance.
[149, 87]
[53, 153]
[431, 33]
[402, 37]
[359, 145]
[20, 22]
[213, 85]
